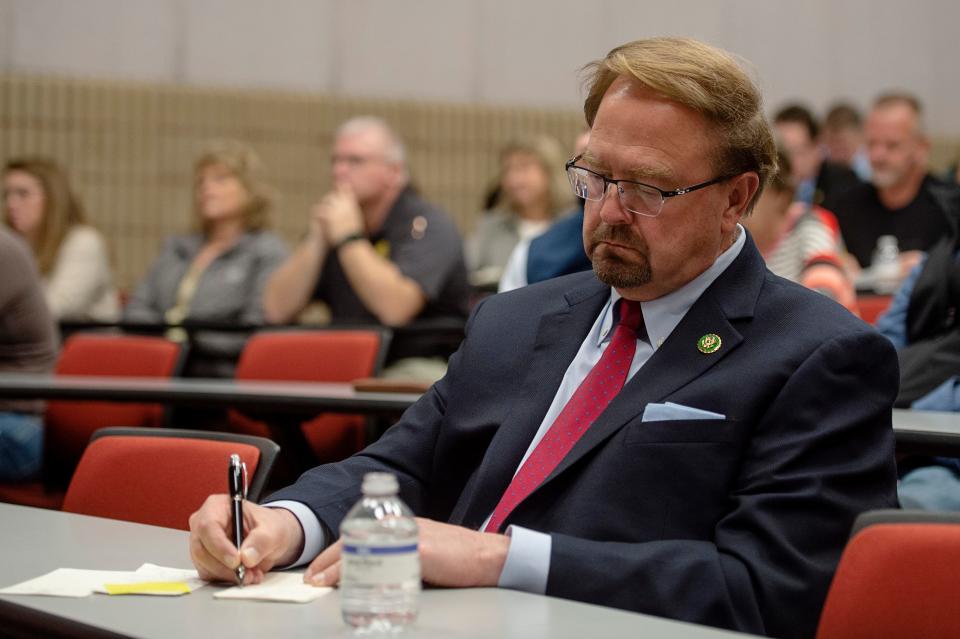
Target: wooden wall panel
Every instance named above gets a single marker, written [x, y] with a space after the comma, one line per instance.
[129, 148]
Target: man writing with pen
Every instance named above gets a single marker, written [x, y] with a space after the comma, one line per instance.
[678, 432]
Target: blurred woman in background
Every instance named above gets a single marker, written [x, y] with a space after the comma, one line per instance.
[217, 272]
[533, 191]
[72, 256]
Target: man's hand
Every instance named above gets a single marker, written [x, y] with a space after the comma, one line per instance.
[450, 556]
[272, 536]
[338, 215]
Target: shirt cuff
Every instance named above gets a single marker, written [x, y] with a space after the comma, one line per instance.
[314, 538]
[528, 561]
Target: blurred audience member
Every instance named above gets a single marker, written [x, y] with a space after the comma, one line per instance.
[28, 340]
[376, 253]
[900, 199]
[816, 179]
[533, 191]
[843, 139]
[797, 242]
[922, 323]
[558, 251]
[72, 256]
[217, 272]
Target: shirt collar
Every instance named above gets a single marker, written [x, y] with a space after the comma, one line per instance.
[661, 316]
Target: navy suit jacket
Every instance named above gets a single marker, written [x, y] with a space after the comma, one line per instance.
[737, 523]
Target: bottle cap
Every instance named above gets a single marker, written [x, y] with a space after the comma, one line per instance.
[380, 484]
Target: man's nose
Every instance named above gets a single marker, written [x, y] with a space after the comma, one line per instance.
[611, 210]
[340, 170]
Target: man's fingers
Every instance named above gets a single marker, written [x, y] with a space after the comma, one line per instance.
[329, 576]
[208, 567]
[316, 572]
[214, 539]
[208, 527]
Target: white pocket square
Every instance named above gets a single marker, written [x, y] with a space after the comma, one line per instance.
[673, 412]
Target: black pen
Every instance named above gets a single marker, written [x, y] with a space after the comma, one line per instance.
[237, 480]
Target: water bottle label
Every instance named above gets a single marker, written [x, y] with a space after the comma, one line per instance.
[378, 565]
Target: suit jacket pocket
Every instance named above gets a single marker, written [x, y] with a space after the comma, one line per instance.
[686, 431]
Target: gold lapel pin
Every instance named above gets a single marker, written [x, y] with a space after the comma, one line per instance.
[709, 343]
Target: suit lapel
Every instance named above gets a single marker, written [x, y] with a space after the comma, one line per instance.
[678, 361]
[562, 328]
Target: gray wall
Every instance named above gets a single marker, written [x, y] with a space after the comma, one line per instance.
[488, 51]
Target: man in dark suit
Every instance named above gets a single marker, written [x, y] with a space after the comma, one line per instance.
[719, 483]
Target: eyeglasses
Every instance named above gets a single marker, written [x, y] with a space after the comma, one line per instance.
[355, 160]
[636, 197]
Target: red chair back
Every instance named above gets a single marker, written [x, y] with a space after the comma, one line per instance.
[871, 307]
[313, 356]
[160, 477]
[70, 424]
[896, 580]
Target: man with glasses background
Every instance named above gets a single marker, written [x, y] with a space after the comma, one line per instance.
[678, 432]
[375, 252]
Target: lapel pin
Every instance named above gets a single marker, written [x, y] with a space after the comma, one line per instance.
[709, 343]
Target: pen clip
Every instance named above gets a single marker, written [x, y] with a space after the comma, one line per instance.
[238, 477]
[245, 486]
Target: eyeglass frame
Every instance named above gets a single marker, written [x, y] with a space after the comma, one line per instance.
[571, 164]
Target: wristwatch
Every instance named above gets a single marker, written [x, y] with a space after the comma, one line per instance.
[350, 238]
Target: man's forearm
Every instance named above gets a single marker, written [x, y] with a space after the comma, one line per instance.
[394, 298]
[291, 285]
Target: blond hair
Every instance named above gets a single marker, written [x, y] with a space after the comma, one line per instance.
[244, 164]
[551, 156]
[61, 208]
[705, 79]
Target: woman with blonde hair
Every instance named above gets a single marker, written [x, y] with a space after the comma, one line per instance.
[72, 256]
[217, 272]
[533, 190]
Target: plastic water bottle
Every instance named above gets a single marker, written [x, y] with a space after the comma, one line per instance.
[885, 267]
[380, 565]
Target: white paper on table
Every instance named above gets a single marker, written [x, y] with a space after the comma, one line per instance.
[67, 582]
[276, 586]
[74, 582]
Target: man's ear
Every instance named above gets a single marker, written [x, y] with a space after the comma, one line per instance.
[740, 193]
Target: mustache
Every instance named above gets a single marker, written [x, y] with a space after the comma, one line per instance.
[618, 235]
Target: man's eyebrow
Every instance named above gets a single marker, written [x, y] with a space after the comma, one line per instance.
[650, 173]
[639, 174]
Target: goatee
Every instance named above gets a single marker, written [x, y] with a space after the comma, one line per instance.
[613, 269]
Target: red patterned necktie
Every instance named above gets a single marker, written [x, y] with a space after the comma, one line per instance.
[601, 385]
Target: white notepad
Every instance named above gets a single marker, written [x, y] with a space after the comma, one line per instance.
[73, 582]
[276, 586]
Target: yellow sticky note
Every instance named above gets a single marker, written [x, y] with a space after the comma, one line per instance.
[149, 588]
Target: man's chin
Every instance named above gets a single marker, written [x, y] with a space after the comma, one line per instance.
[619, 274]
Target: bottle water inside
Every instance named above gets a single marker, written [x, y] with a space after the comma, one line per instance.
[885, 267]
[380, 565]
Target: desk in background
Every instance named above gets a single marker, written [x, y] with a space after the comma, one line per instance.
[34, 542]
[916, 431]
[922, 432]
[282, 405]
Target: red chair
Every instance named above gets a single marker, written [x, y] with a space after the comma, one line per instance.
[871, 307]
[161, 476]
[332, 355]
[69, 424]
[898, 577]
